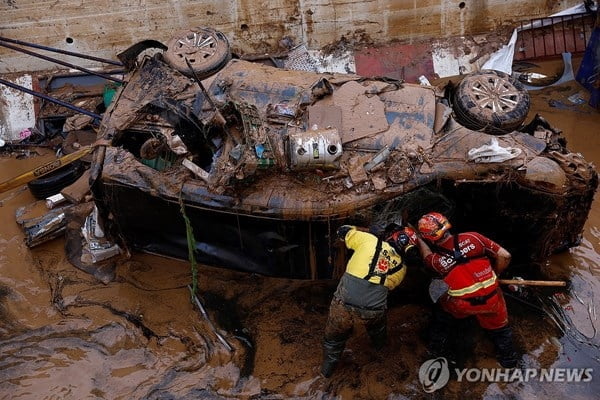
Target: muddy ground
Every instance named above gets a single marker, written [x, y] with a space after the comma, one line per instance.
[65, 335]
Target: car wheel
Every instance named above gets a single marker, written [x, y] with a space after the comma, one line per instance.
[491, 101]
[54, 182]
[206, 50]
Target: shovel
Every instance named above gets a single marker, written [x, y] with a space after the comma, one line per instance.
[437, 287]
[526, 282]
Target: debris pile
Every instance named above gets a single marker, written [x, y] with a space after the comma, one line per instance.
[269, 161]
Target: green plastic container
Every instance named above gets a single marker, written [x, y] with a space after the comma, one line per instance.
[109, 92]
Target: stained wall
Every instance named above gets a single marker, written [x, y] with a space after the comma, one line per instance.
[104, 28]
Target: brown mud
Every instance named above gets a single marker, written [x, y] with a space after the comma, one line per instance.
[64, 334]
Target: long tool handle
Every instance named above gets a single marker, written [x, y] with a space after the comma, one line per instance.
[56, 61]
[70, 53]
[44, 169]
[525, 282]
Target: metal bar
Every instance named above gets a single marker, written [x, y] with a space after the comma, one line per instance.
[219, 117]
[533, 38]
[584, 35]
[70, 53]
[576, 36]
[544, 37]
[562, 21]
[583, 29]
[573, 30]
[51, 99]
[553, 35]
[66, 64]
[523, 53]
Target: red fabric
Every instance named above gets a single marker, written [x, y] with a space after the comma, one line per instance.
[477, 269]
[471, 273]
[491, 315]
[471, 244]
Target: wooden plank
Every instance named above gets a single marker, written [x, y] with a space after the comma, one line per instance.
[77, 191]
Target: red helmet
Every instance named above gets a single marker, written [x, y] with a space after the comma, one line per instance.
[433, 225]
[402, 239]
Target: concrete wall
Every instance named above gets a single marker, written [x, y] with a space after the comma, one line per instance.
[397, 38]
[104, 28]
[16, 109]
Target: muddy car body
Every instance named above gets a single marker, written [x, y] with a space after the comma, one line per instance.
[269, 162]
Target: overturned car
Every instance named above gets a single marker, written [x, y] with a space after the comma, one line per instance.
[268, 162]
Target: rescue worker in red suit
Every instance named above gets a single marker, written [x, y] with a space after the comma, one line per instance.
[469, 264]
[375, 267]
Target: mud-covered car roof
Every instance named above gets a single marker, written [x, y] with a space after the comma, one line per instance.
[267, 144]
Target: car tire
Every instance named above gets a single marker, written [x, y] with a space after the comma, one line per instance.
[54, 182]
[491, 101]
[206, 49]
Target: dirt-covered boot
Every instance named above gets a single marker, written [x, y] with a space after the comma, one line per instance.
[328, 366]
[505, 350]
[438, 332]
[378, 336]
[332, 350]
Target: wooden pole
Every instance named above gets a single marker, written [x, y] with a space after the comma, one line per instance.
[525, 282]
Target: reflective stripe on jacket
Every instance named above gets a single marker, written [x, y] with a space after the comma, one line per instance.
[472, 278]
[470, 274]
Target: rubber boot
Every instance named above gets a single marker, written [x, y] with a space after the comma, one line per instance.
[332, 351]
[378, 336]
[505, 351]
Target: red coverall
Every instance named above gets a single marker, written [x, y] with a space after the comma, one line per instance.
[472, 280]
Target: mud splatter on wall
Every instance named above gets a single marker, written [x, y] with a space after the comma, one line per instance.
[104, 28]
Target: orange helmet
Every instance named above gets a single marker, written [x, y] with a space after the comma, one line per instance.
[433, 225]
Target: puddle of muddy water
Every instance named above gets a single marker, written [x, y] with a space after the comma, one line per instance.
[65, 335]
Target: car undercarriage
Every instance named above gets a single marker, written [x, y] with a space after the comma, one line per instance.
[267, 163]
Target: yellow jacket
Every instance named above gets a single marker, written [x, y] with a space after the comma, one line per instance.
[389, 266]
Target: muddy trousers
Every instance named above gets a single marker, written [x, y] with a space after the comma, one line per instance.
[493, 317]
[340, 324]
[443, 323]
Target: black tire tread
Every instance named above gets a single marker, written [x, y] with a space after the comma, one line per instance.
[54, 182]
[472, 117]
[211, 68]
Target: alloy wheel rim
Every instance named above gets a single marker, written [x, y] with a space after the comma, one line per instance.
[196, 47]
[495, 94]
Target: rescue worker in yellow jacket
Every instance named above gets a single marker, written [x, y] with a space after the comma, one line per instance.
[375, 267]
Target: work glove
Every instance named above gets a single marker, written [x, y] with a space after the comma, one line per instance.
[518, 289]
[343, 230]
